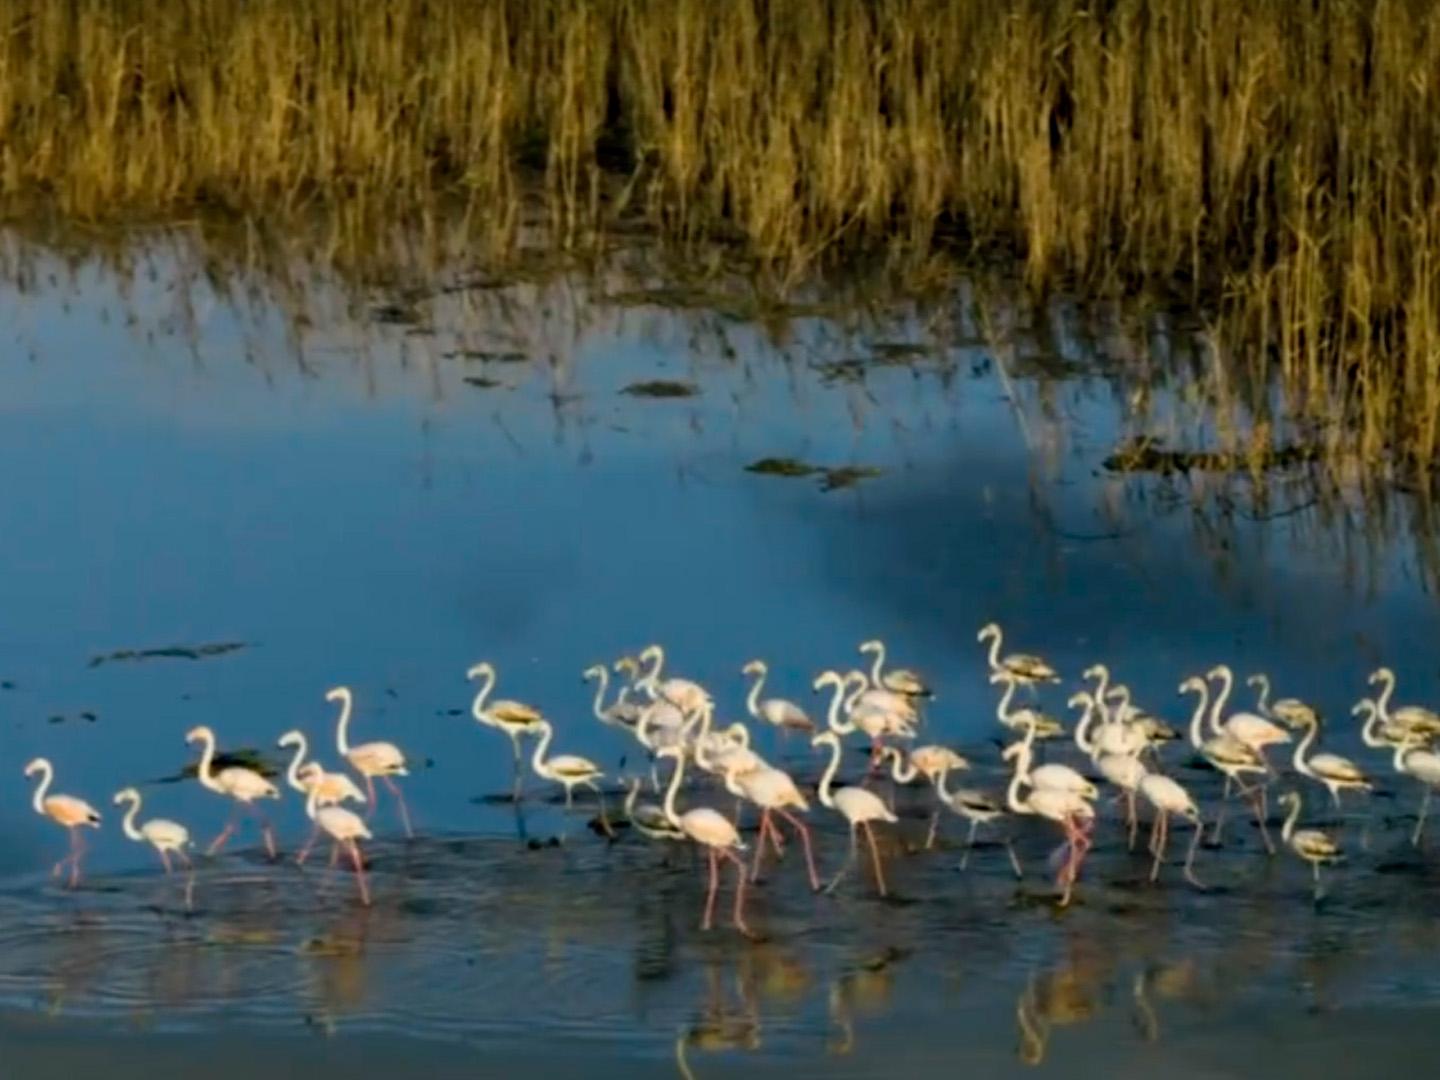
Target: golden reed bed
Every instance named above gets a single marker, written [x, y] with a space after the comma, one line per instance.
[1272, 164]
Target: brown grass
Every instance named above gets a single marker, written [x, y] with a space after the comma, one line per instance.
[1273, 163]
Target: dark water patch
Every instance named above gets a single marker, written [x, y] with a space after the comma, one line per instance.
[169, 652]
[661, 388]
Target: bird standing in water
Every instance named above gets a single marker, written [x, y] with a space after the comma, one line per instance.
[70, 813]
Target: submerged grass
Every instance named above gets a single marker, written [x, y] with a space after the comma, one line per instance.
[1273, 163]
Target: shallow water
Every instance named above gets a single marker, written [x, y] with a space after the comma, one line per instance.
[185, 469]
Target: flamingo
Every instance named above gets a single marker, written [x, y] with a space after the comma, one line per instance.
[514, 718]
[568, 770]
[245, 786]
[1424, 765]
[1413, 718]
[1026, 669]
[1168, 797]
[1312, 845]
[1335, 772]
[335, 787]
[926, 761]
[649, 820]
[977, 808]
[1111, 737]
[371, 759]
[1228, 755]
[1057, 777]
[164, 836]
[779, 713]
[622, 712]
[1046, 727]
[1254, 731]
[773, 790]
[689, 696]
[873, 722]
[1067, 809]
[899, 680]
[1384, 734]
[716, 834]
[859, 807]
[1152, 728]
[65, 810]
[346, 829]
[1288, 710]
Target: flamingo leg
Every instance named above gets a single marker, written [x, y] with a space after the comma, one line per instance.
[1159, 833]
[969, 843]
[164, 860]
[875, 857]
[1190, 855]
[760, 843]
[370, 796]
[1066, 876]
[739, 892]
[934, 829]
[309, 843]
[804, 831]
[1132, 819]
[709, 919]
[517, 787]
[266, 830]
[1420, 822]
[394, 789]
[359, 873]
[600, 802]
[1260, 815]
[225, 833]
[334, 853]
[1224, 803]
[1014, 860]
[849, 859]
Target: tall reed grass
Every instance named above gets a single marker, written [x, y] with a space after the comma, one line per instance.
[1272, 163]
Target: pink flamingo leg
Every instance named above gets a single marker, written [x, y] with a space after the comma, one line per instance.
[804, 832]
[165, 861]
[875, 857]
[334, 854]
[765, 828]
[405, 810]
[370, 796]
[265, 830]
[359, 873]
[309, 843]
[225, 833]
[714, 888]
[739, 893]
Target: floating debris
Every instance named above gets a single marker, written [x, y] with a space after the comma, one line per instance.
[396, 314]
[900, 352]
[481, 383]
[6, 684]
[661, 388]
[840, 371]
[486, 356]
[782, 466]
[1149, 454]
[169, 652]
[848, 476]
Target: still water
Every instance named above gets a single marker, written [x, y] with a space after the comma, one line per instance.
[382, 492]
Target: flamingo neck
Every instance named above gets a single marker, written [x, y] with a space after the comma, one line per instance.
[675, 777]
[1002, 710]
[752, 702]
[1012, 793]
[861, 685]
[47, 775]
[1402, 751]
[487, 684]
[1369, 730]
[994, 659]
[1262, 693]
[1102, 681]
[537, 759]
[292, 775]
[832, 718]
[1197, 734]
[940, 781]
[1382, 703]
[1227, 681]
[829, 775]
[128, 823]
[604, 685]
[312, 802]
[650, 682]
[207, 761]
[631, 796]
[1082, 730]
[1302, 750]
[878, 664]
[342, 728]
[1288, 829]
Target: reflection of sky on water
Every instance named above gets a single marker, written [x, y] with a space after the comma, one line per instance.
[362, 514]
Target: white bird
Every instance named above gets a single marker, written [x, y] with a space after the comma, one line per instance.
[1229, 756]
[1254, 731]
[1046, 727]
[1335, 772]
[514, 718]
[568, 770]
[1414, 718]
[164, 836]
[773, 790]
[1110, 737]
[335, 787]
[928, 762]
[1168, 797]
[688, 695]
[245, 786]
[346, 829]
[1382, 734]
[859, 808]
[777, 712]
[1124, 771]
[874, 722]
[65, 810]
[1312, 845]
[1055, 776]
[622, 712]
[900, 680]
[1067, 809]
[371, 759]
[1025, 668]
[978, 808]
[712, 830]
[1288, 710]
[1423, 765]
[648, 818]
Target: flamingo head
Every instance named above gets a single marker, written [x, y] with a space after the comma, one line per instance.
[873, 645]
[754, 667]
[35, 766]
[594, 671]
[482, 670]
[1082, 700]
[197, 734]
[827, 678]
[291, 738]
[990, 629]
[650, 654]
[128, 793]
[1095, 671]
[627, 665]
[1380, 675]
[1195, 683]
[338, 693]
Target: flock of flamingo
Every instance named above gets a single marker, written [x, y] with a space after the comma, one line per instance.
[672, 719]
